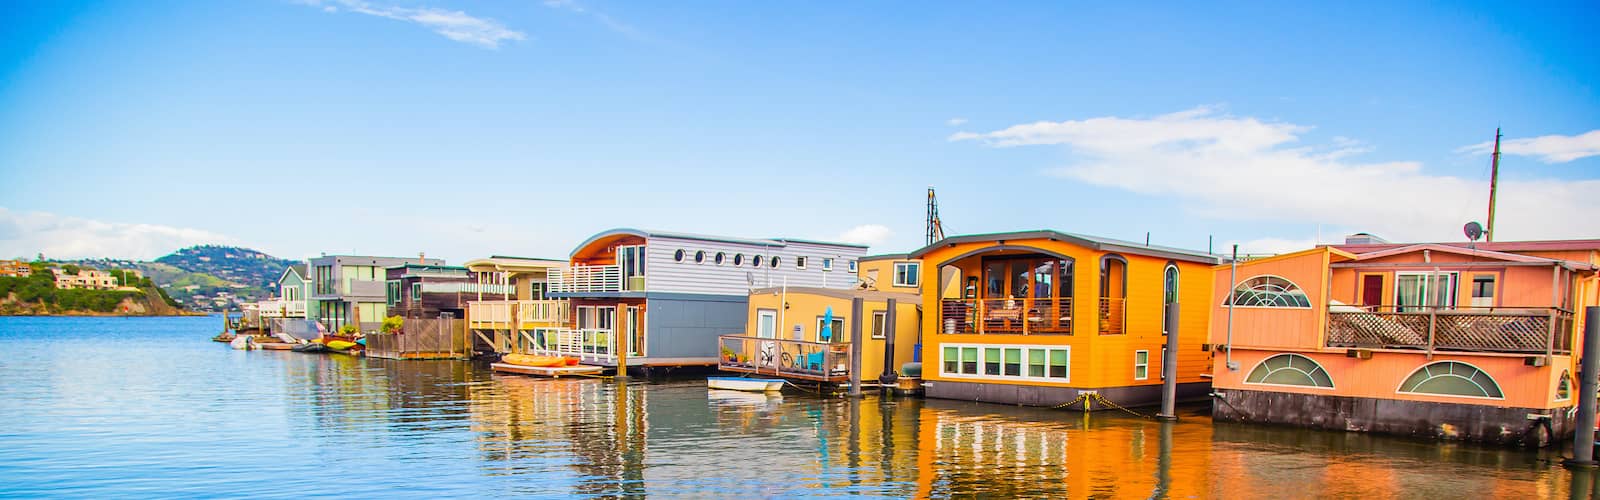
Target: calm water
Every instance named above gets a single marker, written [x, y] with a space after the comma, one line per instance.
[148, 407]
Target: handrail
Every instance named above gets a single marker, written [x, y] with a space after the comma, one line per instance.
[1007, 316]
[783, 357]
[584, 279]
[1522, 330]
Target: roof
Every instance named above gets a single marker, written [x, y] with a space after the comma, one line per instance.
[647, 234]
[1089, 241]
[885, 256]
[504, 263]
[1488, 254]
[844, 293]
[427, 267]
[1497, 246]
[298, 269]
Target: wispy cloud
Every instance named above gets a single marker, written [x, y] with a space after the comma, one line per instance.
[1243, 168]
[866, 234]
[956, 122]
[453, 24]
[1547, 148]
[25, 234]
[577, 8]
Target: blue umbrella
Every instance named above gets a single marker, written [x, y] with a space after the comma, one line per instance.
[827, 325]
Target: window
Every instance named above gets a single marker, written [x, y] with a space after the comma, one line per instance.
[699, 256]
[1169, 295]
[394, 293]
[1564, 387]
[416, 291]
[718, 259]
[907, 274]
[878, 320]
[756, 261]
[852, 267]
[1141, 365]
[631, 259]
[738, 259]
[1289, 369]
[775, 261]
[1483, 290]
[836, 333]
[1452, 378]
[800, 262]
[827, 264]
[1268, 291]
[678, 255]
[1415, 290]
[1006, 362]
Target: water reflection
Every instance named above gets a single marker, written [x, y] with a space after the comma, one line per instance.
[146, 410]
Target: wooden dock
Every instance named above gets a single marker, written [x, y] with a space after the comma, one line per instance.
[547, 371]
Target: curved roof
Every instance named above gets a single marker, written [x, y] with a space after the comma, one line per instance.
[503, 263]
[647, 234]
[1084, 240]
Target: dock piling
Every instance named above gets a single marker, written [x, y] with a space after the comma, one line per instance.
[1583, 437]
[1169, 367]
[855, 347]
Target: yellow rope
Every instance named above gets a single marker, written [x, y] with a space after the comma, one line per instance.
[1094, 396]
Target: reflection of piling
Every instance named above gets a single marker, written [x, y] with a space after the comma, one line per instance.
[1164, 462]
[1581, 485]
[1169, 367]
[888, 377]
[1583, 437]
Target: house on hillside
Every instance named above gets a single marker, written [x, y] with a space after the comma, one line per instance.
[1440, 340]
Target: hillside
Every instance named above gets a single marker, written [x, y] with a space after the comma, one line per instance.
[213, 277]
[38, 295]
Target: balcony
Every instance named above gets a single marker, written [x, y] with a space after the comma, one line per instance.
[498, 314]
[1519, 330]
[281, 308]
[796, 359]
[1026, 316]
[591, 279]
[468, 288]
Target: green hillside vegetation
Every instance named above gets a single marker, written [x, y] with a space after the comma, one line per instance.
[39, 290]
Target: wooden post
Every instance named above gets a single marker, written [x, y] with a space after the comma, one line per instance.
[855, 347]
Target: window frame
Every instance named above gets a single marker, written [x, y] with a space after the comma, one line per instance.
[1138, 365]
[914, 279]
[827, 263]
[1025, 363]
[853, 266]
[880, 325]
[416, 291]
[1331, 384]
[1228, 299]
[800, 262]
[1497, 387]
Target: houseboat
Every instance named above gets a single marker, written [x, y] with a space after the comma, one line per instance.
[1454, 341]
[1004, 322]
[806, 334]
[352, 289]
[287, 312]
[693, 288]
[511, 307]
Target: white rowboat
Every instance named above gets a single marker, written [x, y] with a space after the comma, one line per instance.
[745, 384]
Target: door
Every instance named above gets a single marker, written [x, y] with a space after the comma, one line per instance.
[1371, 291]
[633, 330]
[1414, 291]
[767, 324]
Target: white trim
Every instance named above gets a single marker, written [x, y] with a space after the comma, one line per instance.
[1146, 365]
[1246, 379]
[1565, 375]
[1007, 378]
[1229, 297]
[895, 280]
[800, 261]
[874, 325]
[1434, 394]
[827, 264]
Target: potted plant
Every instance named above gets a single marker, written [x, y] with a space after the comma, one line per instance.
[348, 330]
[729, 355]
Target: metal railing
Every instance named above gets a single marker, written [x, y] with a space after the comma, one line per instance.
[1513, 330]
[801, 359]
[499, 313]
[584, 279]
[588, 344]
[1025, 316]
[1113, 316]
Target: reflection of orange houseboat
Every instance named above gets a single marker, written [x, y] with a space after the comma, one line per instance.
[1041, 317]
[1440, 340]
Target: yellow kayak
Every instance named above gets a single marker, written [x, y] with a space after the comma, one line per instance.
[529, 360]
[340, 345]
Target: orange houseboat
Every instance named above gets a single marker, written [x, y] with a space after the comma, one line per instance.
[1042, 317]
[1450, 341]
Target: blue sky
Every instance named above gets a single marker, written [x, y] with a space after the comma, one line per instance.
[464, 129]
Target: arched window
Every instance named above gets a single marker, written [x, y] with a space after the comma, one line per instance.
[1564, 387]
[1289, 369]
[1452, 378]
[1113, 294]
[1268, 291]
[1169, 295]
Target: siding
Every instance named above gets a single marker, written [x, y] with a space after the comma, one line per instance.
[663, 274]
[684, 328]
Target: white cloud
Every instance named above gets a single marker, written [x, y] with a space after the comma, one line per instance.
[26, 234]
[1242, 168]
[866, 234]
[453, 24]
[955, 122]
[1548, 148]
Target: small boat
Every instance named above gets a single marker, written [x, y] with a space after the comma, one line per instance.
[311, 347]
[242, 342]
[275, 346]
[745, 384]
[340, 345]
[537, 361]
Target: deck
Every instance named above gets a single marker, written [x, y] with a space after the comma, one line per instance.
[789, 359]
[547, 371]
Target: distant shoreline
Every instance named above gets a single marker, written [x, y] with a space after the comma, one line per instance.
[93, 314]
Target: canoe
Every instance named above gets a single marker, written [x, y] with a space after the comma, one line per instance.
[340, 345]
[745, 384]
[530, 360]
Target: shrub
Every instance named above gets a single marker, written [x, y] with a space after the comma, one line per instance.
[392, 324]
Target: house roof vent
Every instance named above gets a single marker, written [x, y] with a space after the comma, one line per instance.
[1363, 239]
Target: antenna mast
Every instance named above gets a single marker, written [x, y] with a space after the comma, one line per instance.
[1494, 181]
[935, 226]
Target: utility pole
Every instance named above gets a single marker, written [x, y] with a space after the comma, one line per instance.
[1494, 183]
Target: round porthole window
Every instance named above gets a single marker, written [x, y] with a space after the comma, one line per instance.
[756, 261]
[718, 258]
[776, 260]
[738, 259]
[678, 255]
[699, 256]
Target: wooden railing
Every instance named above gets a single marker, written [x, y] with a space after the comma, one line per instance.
[1025, 316]
[498, 314]
[584, 279]
[589, 344]
[1113, 316]
[441, 338]
[1519, 330]
[279, 308]
[820, 361]
[468, 287]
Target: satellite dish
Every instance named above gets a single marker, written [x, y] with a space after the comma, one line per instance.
[1473, 230]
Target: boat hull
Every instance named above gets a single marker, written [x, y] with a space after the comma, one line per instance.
[744, 384]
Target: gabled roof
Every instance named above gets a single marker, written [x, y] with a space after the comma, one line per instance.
[297, 269]
[647, 234]
[515, 264]
[1083, 240]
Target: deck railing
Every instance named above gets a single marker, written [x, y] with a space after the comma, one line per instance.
[468, 287]
[588, 344]
[1113, 315]
[1516, 330]
[496, 314]
[440, 338]
[279, 308]
[1025, 316]
[821, 361]
[584, 279]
